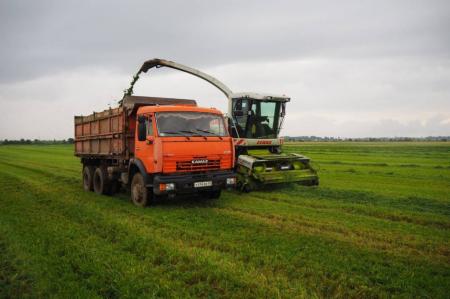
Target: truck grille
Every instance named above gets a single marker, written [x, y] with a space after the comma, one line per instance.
[189, 166]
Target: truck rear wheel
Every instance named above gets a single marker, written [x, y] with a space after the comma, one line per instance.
[88, 178]
[140, 194]
[101, 182]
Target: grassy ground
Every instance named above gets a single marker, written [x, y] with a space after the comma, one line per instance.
[377, 226]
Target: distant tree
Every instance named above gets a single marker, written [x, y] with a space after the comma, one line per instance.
[70, 140]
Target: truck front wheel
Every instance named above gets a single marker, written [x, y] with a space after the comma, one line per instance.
[140, 194]
[101, 182]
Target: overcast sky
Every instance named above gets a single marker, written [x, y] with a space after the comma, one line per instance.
[352, 68]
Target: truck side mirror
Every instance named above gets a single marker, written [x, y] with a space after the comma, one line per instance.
[142, 130]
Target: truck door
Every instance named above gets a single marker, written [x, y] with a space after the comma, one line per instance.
[144, 141]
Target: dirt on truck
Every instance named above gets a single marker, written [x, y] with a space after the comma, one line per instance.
[155, 147]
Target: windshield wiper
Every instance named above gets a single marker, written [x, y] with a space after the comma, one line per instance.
[169, 132]
[177, 133]
[209, 132]
[187, 131]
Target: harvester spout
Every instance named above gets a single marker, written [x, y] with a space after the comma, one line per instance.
[156, 62]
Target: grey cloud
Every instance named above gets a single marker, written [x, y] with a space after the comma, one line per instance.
[352, 68]
[42, 37]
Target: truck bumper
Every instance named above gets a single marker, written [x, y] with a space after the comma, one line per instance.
[185, 183]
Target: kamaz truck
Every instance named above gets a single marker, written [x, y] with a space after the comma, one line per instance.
[156, 147]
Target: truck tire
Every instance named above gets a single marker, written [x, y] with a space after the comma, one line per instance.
[88, 178]
[101, 182]
[140, 194]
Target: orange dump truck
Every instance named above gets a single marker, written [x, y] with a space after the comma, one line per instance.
[155, 147]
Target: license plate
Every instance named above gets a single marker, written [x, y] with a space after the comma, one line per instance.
[202, 184]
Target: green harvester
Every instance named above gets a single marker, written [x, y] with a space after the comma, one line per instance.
[255, 120]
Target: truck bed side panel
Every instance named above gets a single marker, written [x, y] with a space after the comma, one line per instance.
[103, 134]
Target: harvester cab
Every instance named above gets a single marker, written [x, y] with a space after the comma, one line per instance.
[255, 121]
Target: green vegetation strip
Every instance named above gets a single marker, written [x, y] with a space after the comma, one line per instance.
[377, 226]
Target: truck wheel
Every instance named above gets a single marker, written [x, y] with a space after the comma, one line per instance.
[140, 194]
[101, 182]
[88, 180]
[214, 194]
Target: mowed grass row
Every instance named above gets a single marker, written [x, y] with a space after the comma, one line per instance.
[378, 225]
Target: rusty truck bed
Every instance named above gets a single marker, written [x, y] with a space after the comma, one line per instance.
[110, 133]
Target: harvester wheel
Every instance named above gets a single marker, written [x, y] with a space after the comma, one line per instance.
[101, 182]
[140, 194]
[88, 178]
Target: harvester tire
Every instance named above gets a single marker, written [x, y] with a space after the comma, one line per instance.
[88, 178]
[140, 194]
[101, 182]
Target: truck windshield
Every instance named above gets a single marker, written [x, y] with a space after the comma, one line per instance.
[190, 124]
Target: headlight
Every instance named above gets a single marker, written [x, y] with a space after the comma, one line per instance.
[231, 181]
[167, 187]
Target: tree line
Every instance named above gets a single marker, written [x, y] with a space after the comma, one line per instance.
[286, 138]
[369, 139]
[37, 141]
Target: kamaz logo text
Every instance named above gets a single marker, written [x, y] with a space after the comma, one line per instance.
[264, 142]
[202, 161]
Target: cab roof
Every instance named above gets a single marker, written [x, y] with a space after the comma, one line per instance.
[260, 96]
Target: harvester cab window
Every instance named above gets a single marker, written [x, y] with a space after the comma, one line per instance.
[240, 115]
[256, 118]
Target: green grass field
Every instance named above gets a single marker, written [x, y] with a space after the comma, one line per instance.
[377, 226]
